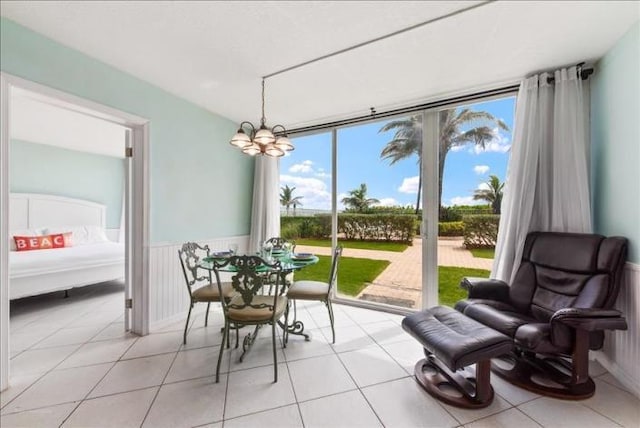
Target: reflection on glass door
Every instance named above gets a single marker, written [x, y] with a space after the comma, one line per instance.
[474, 145]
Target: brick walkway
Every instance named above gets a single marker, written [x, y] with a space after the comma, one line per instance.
[401, 282]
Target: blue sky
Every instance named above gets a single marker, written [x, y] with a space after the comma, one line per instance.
[308, 167]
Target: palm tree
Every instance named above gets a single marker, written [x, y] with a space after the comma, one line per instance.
[287, 199]
[357, 199]
[492, 194]
[407, 140]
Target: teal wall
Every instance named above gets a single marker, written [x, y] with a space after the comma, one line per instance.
[40, 168]
[615, 140]
[200, 187]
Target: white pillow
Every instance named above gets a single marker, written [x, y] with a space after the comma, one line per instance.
[22, 232]
[81, 235]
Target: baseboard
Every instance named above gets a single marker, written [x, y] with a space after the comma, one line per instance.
[625, 378]
[156, 326]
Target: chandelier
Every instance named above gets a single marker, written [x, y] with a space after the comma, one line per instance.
[262, 141]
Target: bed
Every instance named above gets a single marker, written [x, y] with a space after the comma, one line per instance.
[91, 259]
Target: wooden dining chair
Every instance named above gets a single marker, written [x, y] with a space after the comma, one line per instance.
[199, 281]
[317, 291]
[249, 306]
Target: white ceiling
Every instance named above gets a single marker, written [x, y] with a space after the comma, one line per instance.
[214, 53]
[38, 119]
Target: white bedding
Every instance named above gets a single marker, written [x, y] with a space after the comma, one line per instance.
[91, 259]
[36, 262]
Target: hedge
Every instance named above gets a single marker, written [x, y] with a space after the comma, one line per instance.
[364, 227]
[481, 231]
[451, 228]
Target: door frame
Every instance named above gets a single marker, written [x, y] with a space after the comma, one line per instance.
[137, 227]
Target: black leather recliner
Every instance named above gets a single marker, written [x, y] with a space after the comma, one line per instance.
[556, 310]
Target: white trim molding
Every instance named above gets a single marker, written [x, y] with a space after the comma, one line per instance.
[621, 352]
[139, 199]
[4, 233]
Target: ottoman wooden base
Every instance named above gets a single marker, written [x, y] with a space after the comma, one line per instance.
[451, 342]
[475, 393]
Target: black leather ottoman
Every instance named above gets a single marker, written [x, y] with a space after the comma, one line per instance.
[452, 341]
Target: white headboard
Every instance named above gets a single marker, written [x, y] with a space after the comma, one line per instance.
[33, 210]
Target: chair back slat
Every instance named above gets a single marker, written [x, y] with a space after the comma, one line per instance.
[333, 273]
[190, 255]
[249, 280]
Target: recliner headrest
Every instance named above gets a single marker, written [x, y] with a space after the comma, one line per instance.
[565, 251]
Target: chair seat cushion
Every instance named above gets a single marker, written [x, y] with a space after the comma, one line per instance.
[308, 290]
[498, 318]
[209, 292]
[250, 314]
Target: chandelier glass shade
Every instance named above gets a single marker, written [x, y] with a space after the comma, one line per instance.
[262, 141]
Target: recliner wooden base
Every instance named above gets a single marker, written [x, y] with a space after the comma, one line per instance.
[558, 383]
[475, 393]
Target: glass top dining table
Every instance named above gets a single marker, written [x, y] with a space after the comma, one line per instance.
[288, 262]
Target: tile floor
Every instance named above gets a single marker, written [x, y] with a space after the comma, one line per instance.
[73, 365]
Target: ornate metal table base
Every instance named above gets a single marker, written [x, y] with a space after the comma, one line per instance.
[248, 341]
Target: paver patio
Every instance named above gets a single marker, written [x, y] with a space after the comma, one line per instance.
[401, 282]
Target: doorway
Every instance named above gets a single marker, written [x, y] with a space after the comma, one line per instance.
[134, 215]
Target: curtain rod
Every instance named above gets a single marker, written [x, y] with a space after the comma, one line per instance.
[584, 73]
[404, 110]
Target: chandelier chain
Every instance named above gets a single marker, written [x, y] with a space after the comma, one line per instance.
[263, 120]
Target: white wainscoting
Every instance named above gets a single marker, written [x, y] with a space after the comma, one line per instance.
[621, 352]
[168, 297]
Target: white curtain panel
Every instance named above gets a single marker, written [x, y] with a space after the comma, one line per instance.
[547, 186]
[265, 211]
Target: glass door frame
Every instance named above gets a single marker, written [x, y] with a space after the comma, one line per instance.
[430, 210]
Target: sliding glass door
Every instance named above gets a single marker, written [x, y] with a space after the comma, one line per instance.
[415, 196]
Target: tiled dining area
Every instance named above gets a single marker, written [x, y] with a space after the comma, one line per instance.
[73, 365]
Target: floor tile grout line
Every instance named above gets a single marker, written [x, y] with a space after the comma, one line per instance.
[380, 346]
[88, 393]
[155, 396]
[48, 371]
[295, 395]
[600, 413]
[40, 408]
[527, 415]
[601, 377]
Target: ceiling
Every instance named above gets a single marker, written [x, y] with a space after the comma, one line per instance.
[214, 53]
[38, 119]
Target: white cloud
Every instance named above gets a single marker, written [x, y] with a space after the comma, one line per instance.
[481, 169]
[483, 186]
[409, 185]
[314, 192]
[323, 175]
[499, 144]
[386, 202]
[456, 148]
[304, 166]
[464, 200]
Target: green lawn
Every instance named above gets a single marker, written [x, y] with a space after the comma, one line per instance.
[360, 245]
[483, 253]
[353, 273]
[449, 282]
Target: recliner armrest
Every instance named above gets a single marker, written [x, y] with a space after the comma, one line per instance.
[484, 288]
[590, 319]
